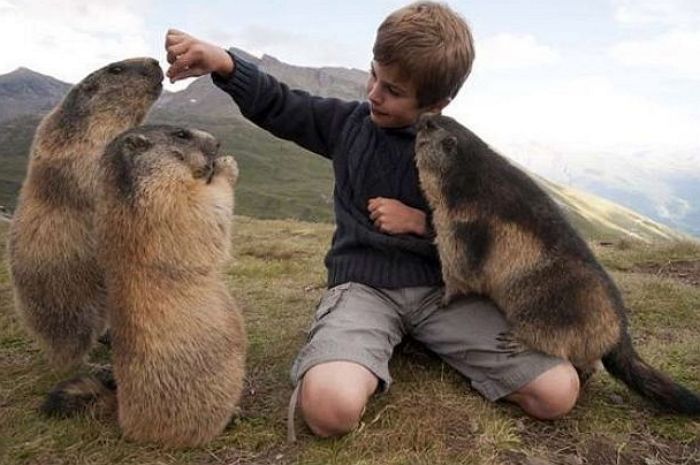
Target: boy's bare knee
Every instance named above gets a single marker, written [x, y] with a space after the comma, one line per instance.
[331, 403]
[551, 395]
[330, 412]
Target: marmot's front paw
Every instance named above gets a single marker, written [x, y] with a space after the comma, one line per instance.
[228, 167]
[447, 298]
[509, 343]
[444, 302]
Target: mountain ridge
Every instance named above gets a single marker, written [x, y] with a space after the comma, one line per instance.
[26, 92]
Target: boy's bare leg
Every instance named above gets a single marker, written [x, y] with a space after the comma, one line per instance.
[333, 396]
[551, 395]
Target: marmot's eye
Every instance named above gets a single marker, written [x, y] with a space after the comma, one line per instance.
[179, 155]
[115, 69]
[182, 134]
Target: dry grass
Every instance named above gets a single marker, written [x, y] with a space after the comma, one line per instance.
[430, 416]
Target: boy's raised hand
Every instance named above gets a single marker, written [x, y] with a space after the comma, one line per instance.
[391, 216]
[191, 57]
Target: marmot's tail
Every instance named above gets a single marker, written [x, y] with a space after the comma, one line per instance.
[624, 363]
[78, 394]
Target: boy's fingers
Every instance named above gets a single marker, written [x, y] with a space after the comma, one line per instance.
[188, 73]
[173, 36]
[175, 44]
[178, 70]
[179, 49]
[374, 202]
[183, 59]
[181, 71]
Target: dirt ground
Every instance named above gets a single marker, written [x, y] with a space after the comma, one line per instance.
[687, 271]
[599, 450]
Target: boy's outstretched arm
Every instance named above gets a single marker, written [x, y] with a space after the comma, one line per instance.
[191, 57]
[314, 123]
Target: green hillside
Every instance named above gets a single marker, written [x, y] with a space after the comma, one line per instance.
[280, 180]
[277, 178]
[15, 138]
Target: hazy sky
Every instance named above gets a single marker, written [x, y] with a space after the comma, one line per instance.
[613, 75]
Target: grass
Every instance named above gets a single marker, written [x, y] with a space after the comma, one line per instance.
[430, 415]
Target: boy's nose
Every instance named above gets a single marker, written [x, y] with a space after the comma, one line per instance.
[373, 93]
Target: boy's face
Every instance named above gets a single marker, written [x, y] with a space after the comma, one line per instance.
[393, 101]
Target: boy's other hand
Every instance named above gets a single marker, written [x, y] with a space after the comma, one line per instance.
[391, 216]
[191, 57]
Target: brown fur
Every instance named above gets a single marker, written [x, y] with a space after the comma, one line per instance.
[58, 285]
[500, 235]
[178, 338]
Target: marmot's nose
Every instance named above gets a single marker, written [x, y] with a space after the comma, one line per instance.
[211, 148]
[151, 68]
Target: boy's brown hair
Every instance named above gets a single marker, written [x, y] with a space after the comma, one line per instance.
[432, 46]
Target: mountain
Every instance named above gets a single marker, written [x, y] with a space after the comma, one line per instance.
[600, 218]
[202, 100]
[25, 92]
[664, 188]
[278, 179]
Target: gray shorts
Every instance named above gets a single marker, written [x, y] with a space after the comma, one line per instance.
[362, 324]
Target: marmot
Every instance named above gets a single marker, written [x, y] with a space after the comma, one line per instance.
[178, 339]
[58, 286]
[499, 234]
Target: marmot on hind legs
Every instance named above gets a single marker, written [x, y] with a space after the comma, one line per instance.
[58, 285]
[499, 234]
[178, 339]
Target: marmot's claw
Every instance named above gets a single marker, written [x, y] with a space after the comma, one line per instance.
[447, 298]
[105, 339]
[585, 375]
[509, 343]
[229, 168]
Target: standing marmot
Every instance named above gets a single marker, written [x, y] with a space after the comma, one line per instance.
[178, 340]
[58, 285]
[499, 234]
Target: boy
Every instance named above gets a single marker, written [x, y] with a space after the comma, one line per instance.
[384, 277]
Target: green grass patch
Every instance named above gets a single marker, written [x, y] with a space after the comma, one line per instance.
[429, 416]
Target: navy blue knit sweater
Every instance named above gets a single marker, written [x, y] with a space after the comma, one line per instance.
[368, 161]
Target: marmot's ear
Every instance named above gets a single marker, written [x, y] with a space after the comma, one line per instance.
[449, 144]
[136, 143]
[90, 87]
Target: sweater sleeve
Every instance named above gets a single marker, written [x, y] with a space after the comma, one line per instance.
[314, 123]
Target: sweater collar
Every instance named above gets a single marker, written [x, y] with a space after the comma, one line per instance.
[406, 131]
